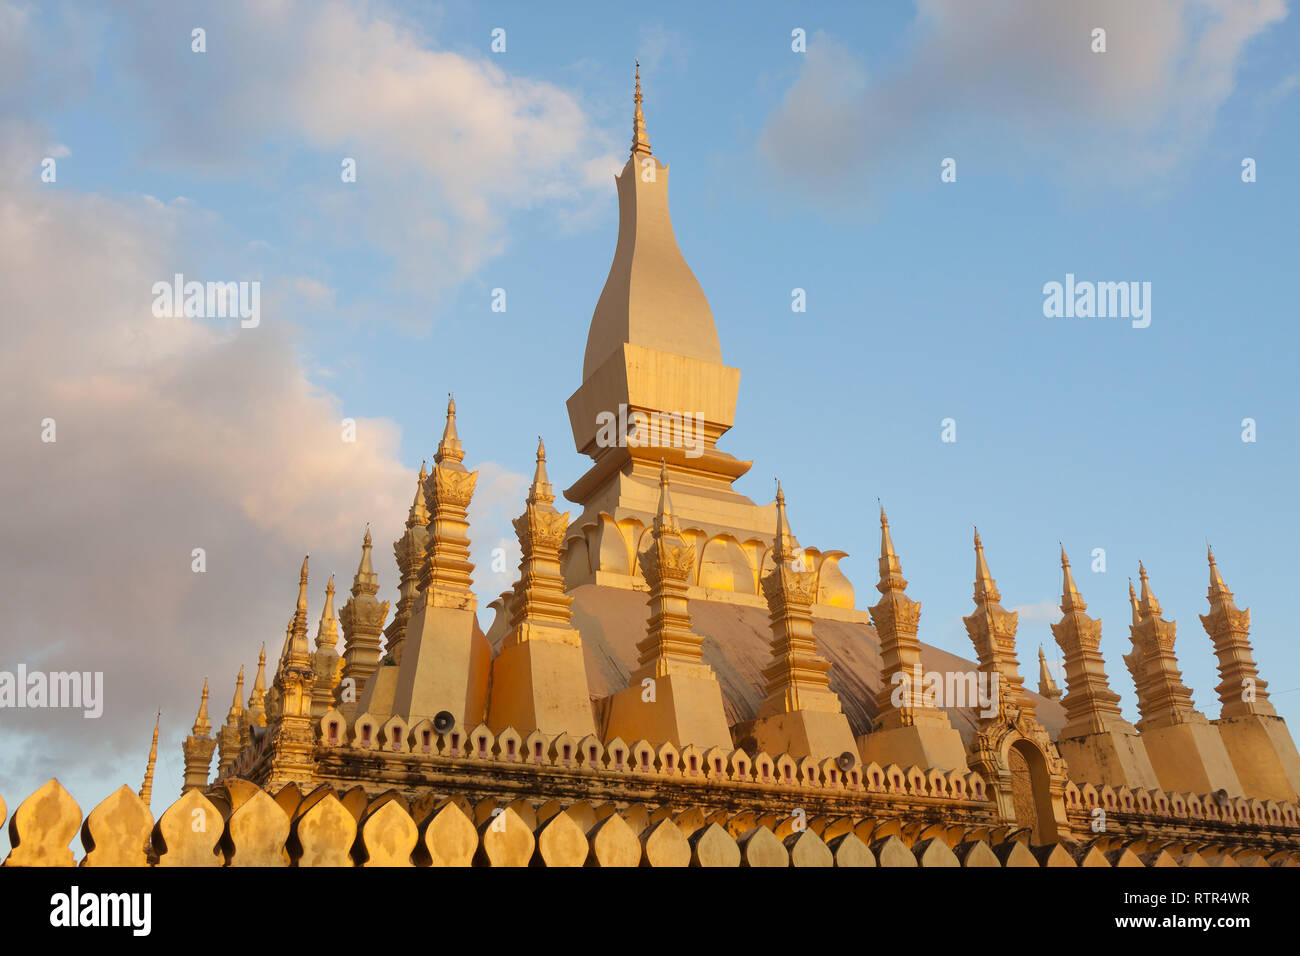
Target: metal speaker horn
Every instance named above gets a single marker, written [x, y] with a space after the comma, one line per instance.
[1221, 797]
[443, 721]
[846, 760]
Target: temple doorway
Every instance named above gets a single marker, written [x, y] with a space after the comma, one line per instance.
[1030, 791]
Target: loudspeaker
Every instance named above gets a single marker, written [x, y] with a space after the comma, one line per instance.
[443, 721]
[846, 760]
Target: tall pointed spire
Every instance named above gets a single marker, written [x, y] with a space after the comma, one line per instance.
[687, 706]
[449, 448]
[290, 737]
[986, 589]
[1046, 685]
[800, 715]
[445, 659]
[326, 662]
[418, 516]
[1071, 600]
[1097, 742]
[640, 138]
[1149, 604]
[297, 651]
[785, 546]
[540, 491]
[891, 568]
[228, 742]
[197, 748]
[409, 550]
[1091, 707]
[362, 616]
[1134, 610]
[327, 631]
[992, 630]
[665, 520]
[202, 726]
[908, 728]
[1163, 699]
[146, 788]
[255, 715]
[1241, 690]
[539, 676]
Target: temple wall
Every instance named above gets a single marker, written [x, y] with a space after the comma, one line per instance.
[240, 825]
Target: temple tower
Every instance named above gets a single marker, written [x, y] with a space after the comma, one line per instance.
[1046, 684]
[228, 745]
[198, 746]
[363, 622]
[326, 661]
[409, 550]
[290, 728]
[1100, 746]
[255, 715]
[1011, 749]
[1262, 750]
[908, 731]
[800, 715]
[655, 388]
[446, 659]
[992, 630]
[1186, 750]
[672, 696]
[146, 787]
[539, 678]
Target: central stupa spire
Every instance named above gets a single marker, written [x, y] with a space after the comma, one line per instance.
[640, 139]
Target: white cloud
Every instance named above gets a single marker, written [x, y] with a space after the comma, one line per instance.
[447, 144]
[171, 434]
[1022, 72]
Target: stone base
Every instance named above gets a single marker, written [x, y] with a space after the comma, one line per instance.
[920, 745]
[1191, 758]
[1263, 754]
[1109, 757]
[541, 684]
[685, 710]
[804, 733]
[446, 664]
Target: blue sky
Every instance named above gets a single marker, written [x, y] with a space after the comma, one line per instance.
[481, 170]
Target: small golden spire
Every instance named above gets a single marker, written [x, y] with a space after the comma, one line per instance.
[640, 138]
[418, 516]
[891, 569]
[986, 589]
[327, 632]
[1216, 579]
[785, 544]
[302, 586]
[1133, 603]
[540, 492]
[365, 568]
[237, 705]
[664, 519]
[146, 788]
[1149, 603]
[450, 446]
[258, 694]
[1071, 599]
[202, 726]
[1046, 684]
